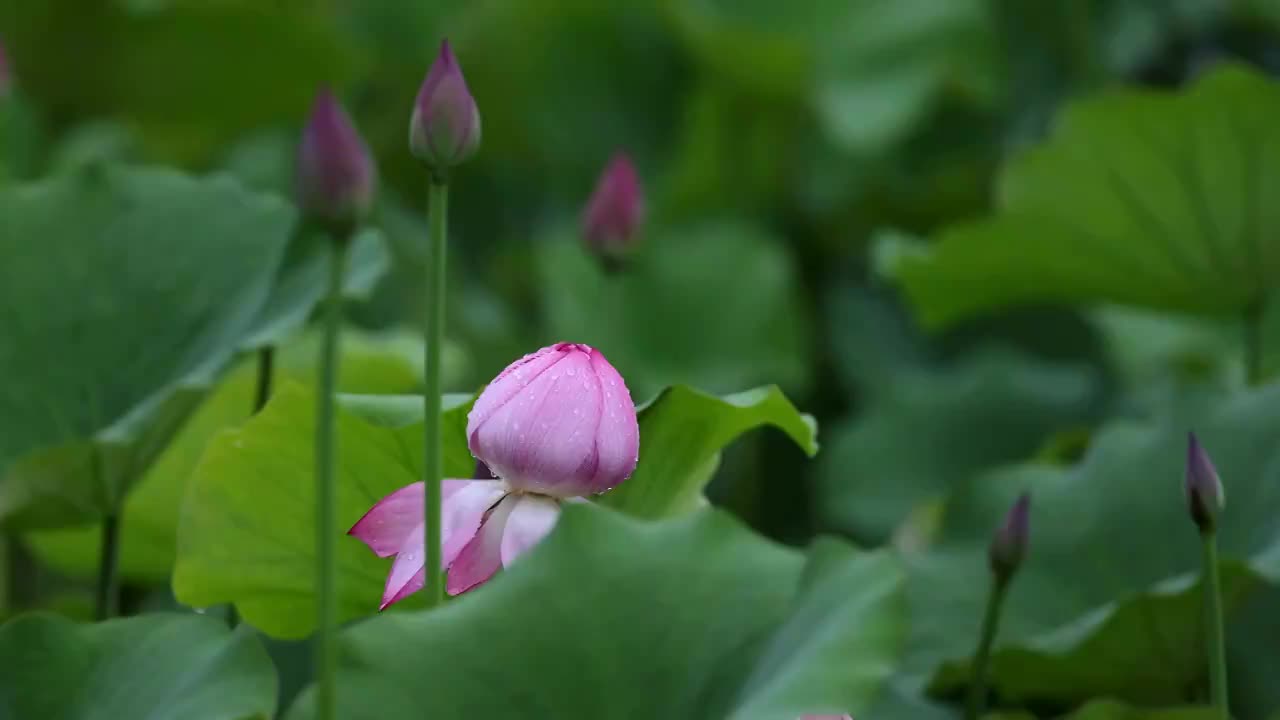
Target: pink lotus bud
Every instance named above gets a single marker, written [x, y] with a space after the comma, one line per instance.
[557, 422]
[1010, 542]
[335, 174]
[614, 212]
[1205, 498]
[555, 425]
[445, 128]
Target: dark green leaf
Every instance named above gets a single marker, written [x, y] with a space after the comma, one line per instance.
[118, 316]
[161, 667]
[1144, 198]
[707, 616]
[149, 524]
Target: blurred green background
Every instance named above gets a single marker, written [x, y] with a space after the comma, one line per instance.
[777, 142]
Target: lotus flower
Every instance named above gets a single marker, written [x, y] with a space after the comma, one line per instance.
[445, 127]
[614, 212]
[555, 426]
[335, 174]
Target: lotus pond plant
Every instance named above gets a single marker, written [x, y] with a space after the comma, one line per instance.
[555, 426]
[256, 266]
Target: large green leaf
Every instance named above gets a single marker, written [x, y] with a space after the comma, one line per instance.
[252, 498]
[925, 430]
[693, 617]
[869, 70]
[149, 524]
[123, 293]
[93, 57]
[245, 535]
[681, 434]
[161, 667]
[1106, 602]
[713, 305]
[1145, 198]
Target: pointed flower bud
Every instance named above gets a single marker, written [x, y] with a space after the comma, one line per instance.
[1205, 498]
[1009, 545]
[614, 212]
[445, 128]
[558, 422]
[336, 178]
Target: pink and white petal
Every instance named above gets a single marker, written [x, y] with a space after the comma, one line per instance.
[530, 521]
[462, 514]
[414, 585]
[387, 524]
[481, 558]
[508, 384]
[544, 440]
[406, 572]
[618, 435]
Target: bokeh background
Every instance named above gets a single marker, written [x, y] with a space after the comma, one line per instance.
[783, 147]
[777, 143]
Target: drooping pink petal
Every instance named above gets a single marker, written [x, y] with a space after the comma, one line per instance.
[406, 575]
[387, 524]
[463, 513]
[530, 521]
[481, 557]
[465, 504]
[618, 436]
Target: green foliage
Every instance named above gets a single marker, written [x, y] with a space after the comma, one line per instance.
[252, 494]
[178, 266]
[661, 322]
[149, 525]
[717, 622]
[161, 666]
[984, 410]
[1106, 603]
[1146, 198]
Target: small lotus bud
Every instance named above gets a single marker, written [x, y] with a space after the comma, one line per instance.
[445, 128]
[1205, 498]
[335, 176]
[1009, 545]
[614, 212]
[557, 422]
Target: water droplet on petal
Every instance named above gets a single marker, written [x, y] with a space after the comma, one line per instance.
[571, 372]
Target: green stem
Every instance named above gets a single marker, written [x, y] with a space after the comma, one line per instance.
[1217, 648]
[438, 210]
[326, 494]
[990, 623]
[266, 369]
[108, 595]
[1253, 344]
